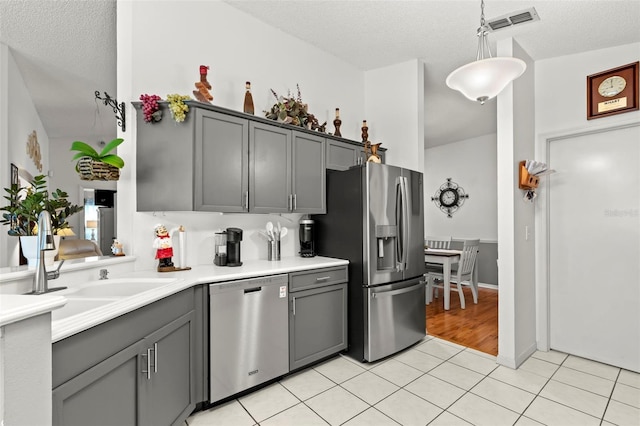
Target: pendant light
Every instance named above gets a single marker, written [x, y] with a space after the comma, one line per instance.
[484, 78]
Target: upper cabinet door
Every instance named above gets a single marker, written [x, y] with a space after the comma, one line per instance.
[164, 164]
[341, 156]
[221, 162]
[309, 190]
[269, 169]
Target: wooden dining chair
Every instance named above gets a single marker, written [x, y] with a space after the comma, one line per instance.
[463, 274]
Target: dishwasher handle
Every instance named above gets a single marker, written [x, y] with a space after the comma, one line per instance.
[252, 290]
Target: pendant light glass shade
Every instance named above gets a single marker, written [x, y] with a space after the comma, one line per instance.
[486, 77]
[483, 79]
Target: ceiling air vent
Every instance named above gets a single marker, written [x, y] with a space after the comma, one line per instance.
[511, 19]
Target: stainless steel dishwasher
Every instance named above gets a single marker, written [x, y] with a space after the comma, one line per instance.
[249, 334]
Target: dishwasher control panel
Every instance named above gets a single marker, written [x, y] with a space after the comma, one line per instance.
[282, 279]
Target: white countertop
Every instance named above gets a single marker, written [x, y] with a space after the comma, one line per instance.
[201, 274]
[17, 307]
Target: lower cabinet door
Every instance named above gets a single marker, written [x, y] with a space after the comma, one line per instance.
[106, 394]
[317, 324]
[169, 389]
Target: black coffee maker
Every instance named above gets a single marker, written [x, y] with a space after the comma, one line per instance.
[307, 244]
[234, 236]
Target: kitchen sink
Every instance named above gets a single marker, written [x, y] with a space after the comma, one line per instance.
[120, 287]
[77, 306]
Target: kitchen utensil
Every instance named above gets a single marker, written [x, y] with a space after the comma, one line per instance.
[283, 231]
[270, 230]
[265, 235]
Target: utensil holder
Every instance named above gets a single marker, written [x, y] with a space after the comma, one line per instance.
[273, 250]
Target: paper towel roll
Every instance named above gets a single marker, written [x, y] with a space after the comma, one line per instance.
[182, 244]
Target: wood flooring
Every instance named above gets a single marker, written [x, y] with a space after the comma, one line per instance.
[475, 327]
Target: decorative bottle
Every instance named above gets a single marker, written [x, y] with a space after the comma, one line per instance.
[248, 99]
[337, 123]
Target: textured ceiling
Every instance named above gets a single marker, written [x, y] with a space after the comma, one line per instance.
[65, 49]
[373, 34]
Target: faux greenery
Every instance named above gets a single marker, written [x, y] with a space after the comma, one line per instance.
[105, 156]
[26, 203]
[289, 109]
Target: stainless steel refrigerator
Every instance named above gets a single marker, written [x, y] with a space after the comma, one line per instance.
[375, 220]
[106, 229]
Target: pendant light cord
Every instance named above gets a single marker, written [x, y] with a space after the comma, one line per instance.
[483, 41]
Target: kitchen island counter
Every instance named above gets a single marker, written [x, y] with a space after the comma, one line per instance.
[107, 307]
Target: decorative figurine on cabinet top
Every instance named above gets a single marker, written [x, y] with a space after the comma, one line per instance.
[203, 86]
[374, 157]
[164, 249]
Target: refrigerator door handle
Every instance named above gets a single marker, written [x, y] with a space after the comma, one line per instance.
[399, 216]
[404, 223]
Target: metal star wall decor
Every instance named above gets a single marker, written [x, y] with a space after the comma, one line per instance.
[449, 197]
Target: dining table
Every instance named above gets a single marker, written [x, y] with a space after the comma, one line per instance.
[446, 258]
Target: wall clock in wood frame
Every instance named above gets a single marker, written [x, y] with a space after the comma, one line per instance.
[613, 91]
[449, 197]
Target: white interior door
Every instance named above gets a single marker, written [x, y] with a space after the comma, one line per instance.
[594, 246]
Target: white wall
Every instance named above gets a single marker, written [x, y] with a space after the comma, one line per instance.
[153, 60]
[471, 163]
[18, 118]
[516, 306]
[394, 110]
[558, 116]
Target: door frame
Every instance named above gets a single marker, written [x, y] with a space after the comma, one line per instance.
[542, 237]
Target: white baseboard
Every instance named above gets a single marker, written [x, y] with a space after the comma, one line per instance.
[490, 286]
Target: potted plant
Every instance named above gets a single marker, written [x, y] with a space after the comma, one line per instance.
[25, 205]
[92, 165]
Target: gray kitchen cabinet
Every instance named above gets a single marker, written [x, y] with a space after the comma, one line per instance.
[269, 168]
[286, 169]
[226, 161]
[342, 155]
[308, 184]
[129, 370]
[106, 393]
[221, 162]
[199, 164]
[317, 315]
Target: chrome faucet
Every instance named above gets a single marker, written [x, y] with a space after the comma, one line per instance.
[44, 242]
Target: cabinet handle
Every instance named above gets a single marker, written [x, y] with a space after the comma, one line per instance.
[155, 357]
[290, 202]
[246, 200]
[295, 202]
[323, 278]
[294, 306]
[148, 370]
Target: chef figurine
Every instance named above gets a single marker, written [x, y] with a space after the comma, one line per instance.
[164, 248]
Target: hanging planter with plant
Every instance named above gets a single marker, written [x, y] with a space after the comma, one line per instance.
[92, 165]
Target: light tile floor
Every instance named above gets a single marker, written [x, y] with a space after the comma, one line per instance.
[440, 383]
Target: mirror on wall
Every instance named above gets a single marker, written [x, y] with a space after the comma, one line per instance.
[99, 217]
